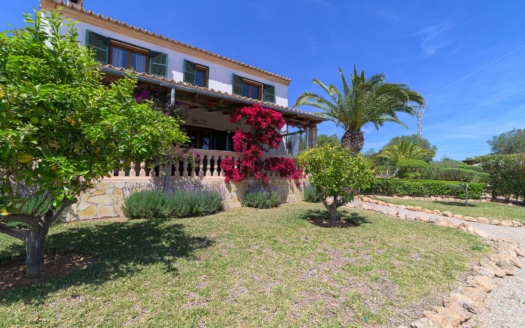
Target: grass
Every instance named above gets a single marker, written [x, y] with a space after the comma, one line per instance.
[489, 210]
[242, 268]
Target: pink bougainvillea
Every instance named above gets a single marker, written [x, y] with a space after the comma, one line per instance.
[265, 125]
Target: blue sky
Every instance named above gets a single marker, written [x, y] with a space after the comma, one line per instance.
[467, 58]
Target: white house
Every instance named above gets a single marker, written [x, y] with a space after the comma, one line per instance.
[201, 83]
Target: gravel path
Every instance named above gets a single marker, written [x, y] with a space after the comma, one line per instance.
[505, 305]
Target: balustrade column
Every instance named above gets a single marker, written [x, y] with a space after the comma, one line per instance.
[132, 172]
[208, 165]
[121, 172]
[185, 169]
[216, 166]
[142, 172]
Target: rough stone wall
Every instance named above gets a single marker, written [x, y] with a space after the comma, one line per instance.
[106, 197]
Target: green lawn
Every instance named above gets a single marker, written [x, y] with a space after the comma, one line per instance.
[242, 268]
[489, 210]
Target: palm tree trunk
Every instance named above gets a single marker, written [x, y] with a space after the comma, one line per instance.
[354, 140]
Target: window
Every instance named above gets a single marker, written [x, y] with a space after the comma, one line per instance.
[121, 54]
[199, 137]
[195, 74]
[253, 89]
[127, 56]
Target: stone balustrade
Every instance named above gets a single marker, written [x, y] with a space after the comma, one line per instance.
[107, 196]
[208, 165]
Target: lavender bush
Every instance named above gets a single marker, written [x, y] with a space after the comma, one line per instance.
[175, 199]
[259, 196]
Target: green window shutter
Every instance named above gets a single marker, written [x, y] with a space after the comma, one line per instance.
[237, 85]
[189, 72]
[158, 63]
[269, 93]
[100, 45]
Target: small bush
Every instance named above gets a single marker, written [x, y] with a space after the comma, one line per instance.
[147, 204]
[261, 197]
[177, 200]
[311, 194]
[207, 203]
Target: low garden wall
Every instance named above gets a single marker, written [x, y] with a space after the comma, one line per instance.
[105, 199]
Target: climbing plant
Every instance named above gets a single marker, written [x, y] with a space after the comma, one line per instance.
[264, 134]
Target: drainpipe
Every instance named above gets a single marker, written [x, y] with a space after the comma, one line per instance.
[172, 100]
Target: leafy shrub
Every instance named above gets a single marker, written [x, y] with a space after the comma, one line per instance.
[177, 200]
[506, 174]
[411, 168]
[424, 188]
[261, 197]
[311, 194]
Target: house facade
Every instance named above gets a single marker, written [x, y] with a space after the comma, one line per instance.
[202, 86]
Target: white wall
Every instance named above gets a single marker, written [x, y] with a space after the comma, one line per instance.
[220, 77]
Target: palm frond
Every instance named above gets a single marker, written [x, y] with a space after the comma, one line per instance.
[363, 101]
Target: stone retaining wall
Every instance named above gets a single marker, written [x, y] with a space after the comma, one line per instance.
[107, 196]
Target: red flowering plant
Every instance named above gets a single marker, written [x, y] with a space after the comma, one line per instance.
[265, 125]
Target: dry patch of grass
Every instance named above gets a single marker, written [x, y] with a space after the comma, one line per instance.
[244, 268]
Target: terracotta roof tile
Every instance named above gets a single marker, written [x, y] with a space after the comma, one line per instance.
[314, 116]
[123, 24]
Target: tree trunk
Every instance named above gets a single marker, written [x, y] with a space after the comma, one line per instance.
[333, 216]
[354, 140]
[34, 239]
[332, 209]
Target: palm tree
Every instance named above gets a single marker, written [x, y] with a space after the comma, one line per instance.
[404, 150]
[365, 101]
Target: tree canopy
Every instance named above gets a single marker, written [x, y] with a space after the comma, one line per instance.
[364, 100]
[336, 174]
[511, 142]
[61, 129]
[408, 147]
[403, 150]
[331, 140]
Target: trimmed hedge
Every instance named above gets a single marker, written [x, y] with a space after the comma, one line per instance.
[462, 173]
[424, 188]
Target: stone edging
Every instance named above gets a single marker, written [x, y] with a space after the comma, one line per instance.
[463, 303]
[504, 223]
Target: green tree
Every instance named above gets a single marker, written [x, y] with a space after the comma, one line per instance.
[60, 129]
[324, 139]
[364, 101]
[416, 140]
[336, 174]
[511, 142]
[506, 174]
[405, 150]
